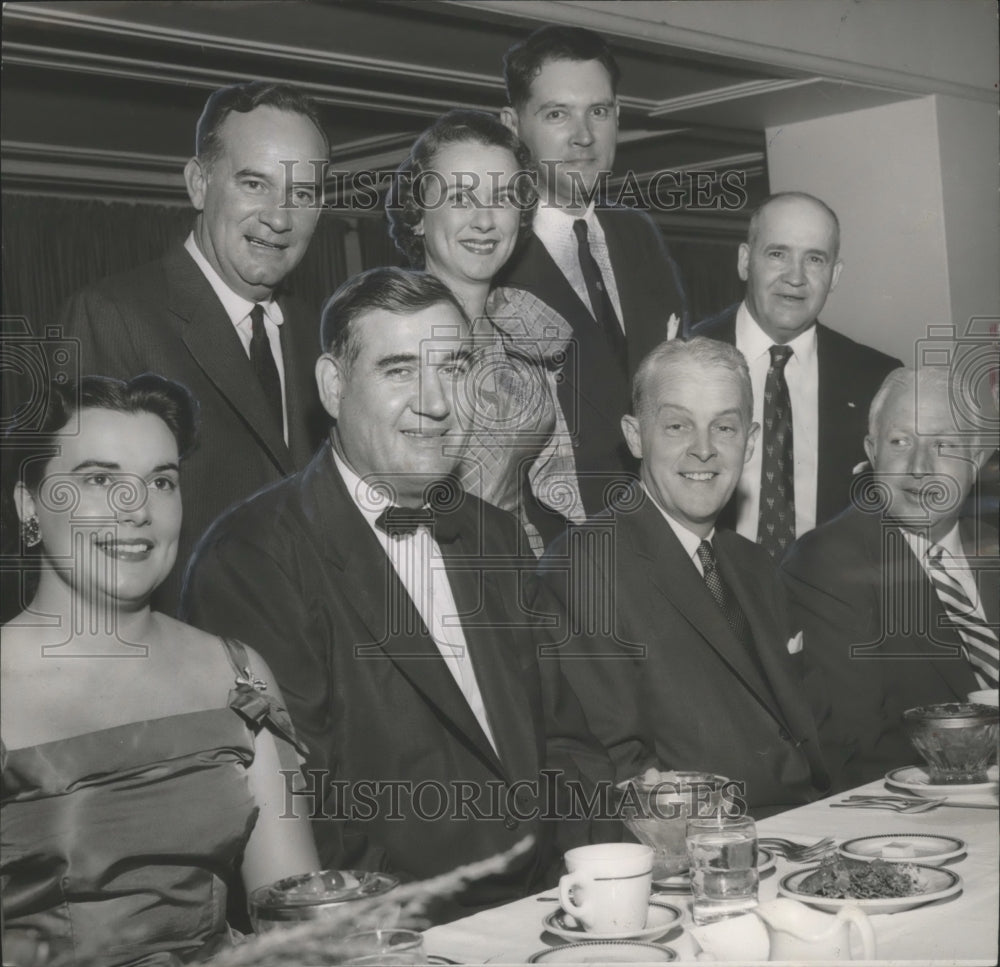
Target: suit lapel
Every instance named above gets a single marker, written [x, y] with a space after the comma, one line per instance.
[398, 634]
[299, 385]
[674, 575]
[213, 343]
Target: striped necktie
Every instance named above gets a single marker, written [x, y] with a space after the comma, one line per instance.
[979, 640]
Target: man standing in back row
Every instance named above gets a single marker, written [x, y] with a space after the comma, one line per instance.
[811, 386]
[604, 268]
[208, 313]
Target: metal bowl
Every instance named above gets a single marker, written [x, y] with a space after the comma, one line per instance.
[309, 896]
[958, 741]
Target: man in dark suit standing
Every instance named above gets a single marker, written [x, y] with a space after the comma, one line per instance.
[603, 267]
[387, 602]
[898, 596]
[811, 385]
[689, 665]
[208, 312]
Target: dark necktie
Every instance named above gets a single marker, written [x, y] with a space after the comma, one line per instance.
[979, 640]
[401, 521]
[600, 301]
[264, 365]
[724, 598]
[776, 518]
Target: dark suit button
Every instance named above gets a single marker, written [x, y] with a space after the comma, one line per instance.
[510, 823]
[784, 736]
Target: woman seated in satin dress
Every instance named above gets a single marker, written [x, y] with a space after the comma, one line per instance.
[142, 758]
[457, 208]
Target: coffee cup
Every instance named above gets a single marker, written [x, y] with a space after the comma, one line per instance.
[607, 887]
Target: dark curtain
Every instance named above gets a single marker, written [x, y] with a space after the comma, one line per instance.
[54, 246]
[376, 246]
[709, 273]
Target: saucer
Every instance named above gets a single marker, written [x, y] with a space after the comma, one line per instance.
[604, 952]
[682, 881]
[661, 918]
[925, 848]
[915, 779]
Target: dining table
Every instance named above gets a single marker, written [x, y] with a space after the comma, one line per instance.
[957, 930]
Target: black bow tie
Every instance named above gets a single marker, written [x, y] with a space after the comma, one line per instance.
[399, 521]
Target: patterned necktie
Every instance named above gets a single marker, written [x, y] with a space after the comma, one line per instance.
[724, 598]
[264, 365]
[776, 517]
[600, 301]
[979, 640]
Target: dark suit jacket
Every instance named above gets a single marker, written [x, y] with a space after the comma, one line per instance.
[849, 376]
[594, 391]
[873, 641]
[164, 317]
[298, 574]
[676, 688]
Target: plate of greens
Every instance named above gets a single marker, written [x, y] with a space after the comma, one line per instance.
[876, 886]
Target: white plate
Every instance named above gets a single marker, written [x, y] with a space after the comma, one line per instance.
[924, 848]
[916, 780]
[604, 952]
[937, 884]
[682, 881]
[662, 918]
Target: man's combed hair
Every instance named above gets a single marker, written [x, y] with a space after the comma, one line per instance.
[243, 98]
[701, 351]
[399, 291]
[524, 60]
[404, 205]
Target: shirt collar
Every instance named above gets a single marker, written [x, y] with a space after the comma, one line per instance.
[369, 498]
[754, 342]
[689, 540]
[553, 222]
[920, 545]
[236, 307]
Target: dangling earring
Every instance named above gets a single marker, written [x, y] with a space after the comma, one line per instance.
[31, 533]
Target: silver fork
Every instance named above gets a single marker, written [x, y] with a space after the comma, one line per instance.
[797, 852]
[896, 805]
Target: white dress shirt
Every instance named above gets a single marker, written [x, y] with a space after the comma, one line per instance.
[689, 540]
[802, 378]
[238, 310]
[418, 562]
[554, 229]
[954, 563]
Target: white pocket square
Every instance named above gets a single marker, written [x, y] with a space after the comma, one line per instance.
[795, 644]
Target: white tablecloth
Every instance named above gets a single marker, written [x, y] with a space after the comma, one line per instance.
[959, 930]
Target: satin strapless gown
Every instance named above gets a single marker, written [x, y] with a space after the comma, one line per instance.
[116, 845]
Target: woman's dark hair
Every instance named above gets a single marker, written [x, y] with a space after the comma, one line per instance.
[148, 393]
[403, 202]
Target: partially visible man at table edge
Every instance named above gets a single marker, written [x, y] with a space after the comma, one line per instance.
[678, 641]
[603, 267]
[352, 604]
[898, 596]
[210, 313]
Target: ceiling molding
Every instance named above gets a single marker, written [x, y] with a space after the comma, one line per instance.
[611, 19]
[733, 92]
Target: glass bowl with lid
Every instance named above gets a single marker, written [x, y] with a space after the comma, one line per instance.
[958, 740]
[309, 896]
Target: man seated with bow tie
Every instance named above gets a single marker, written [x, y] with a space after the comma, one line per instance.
[898, 595]
[387, 602]
[678, 643]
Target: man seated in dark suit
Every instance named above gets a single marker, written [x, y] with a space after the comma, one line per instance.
[898, 596]
[687, 663]
[208, 313]
[603, 267]
[387, 602]
[811, 385]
